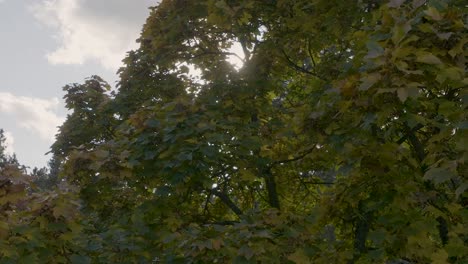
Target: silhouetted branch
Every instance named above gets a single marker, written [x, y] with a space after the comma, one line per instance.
[301, 156]
[225, 199]
[270, 183]
[297, 67]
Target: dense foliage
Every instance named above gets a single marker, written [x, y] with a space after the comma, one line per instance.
[341, 139]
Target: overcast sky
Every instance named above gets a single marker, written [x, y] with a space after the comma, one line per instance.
[46, 44]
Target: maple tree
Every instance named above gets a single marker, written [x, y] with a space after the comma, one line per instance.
[341, 138]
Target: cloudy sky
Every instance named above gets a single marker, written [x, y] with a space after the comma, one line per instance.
[47, 44]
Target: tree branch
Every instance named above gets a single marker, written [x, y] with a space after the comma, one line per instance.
[301, 156]
[270, 183]
[414, 141]
[205, 53]
[226, 222]
[245, 50]
[361, 230]
[228, 202]
[443, 230]
[318, 183]
[309, 50]
[405, 137]
[296, 67]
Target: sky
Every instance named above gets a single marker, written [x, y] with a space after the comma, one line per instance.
[46, 44]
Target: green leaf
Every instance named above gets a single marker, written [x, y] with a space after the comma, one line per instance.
[247, 175]
[79, 259]
[428, 58]
[433, 13]
[369, 80]
[438, 175]
[463, 125]
[447, 108]
[245, 19]
[246, 251]
[459, 48]
[402, 94]
[184, 69]
[444, 36]
[374, 50]
[299, 257]
[153, 123]
[440, 257]
[395, 3]
[165, 154]
[216, 244]
[150, 154]
[400, 31]
[30, 258]
[452, 73]
[377, 236]
[418, 3]
[456, 248]
[243, 260]
[461, 189]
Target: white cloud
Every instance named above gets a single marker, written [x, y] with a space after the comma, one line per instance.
[87, 30]
[36, 115]
[9, 140]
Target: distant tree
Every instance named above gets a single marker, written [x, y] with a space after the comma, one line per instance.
[4, 157]
[47, 178]
[2, 145]
[54, 168]
[36, 225]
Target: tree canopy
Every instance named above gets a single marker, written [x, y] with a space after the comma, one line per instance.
[340, 139]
